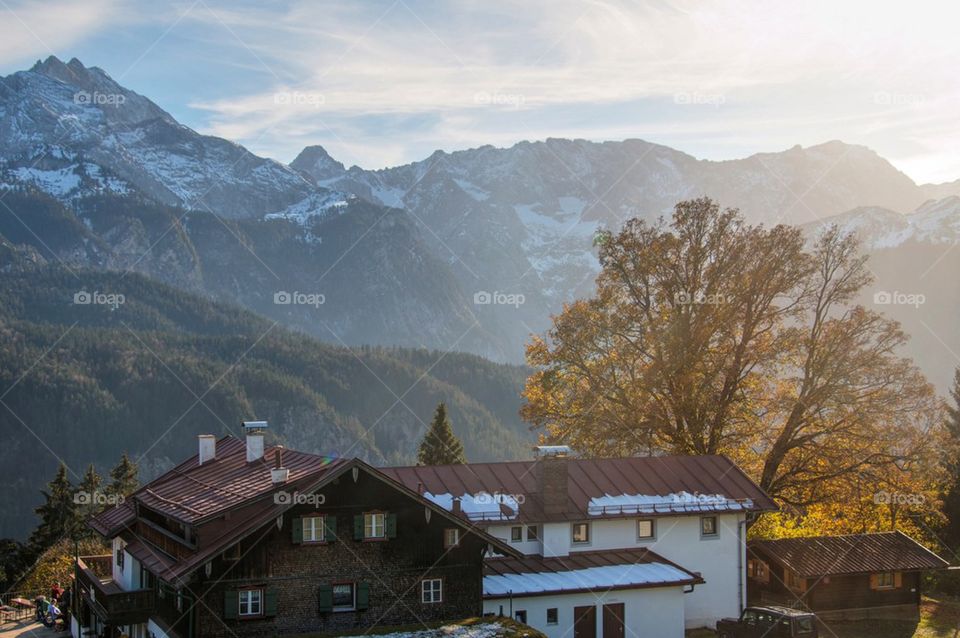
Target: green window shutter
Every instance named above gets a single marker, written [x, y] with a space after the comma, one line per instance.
[325, 599]
[390, 525]
[363, 596]
[358, 527]
[329, 528]
[270, 602]
[231, 605]
[296, 528]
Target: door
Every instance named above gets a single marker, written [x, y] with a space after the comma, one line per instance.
[613, 620]
[585, 622]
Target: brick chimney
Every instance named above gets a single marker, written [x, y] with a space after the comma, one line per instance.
[207, 447]
[552, 477]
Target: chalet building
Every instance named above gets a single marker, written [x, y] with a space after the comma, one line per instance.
[243, 541]
[611, 547]
[841, 577]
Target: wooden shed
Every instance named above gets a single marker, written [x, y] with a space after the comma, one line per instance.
[849, 577]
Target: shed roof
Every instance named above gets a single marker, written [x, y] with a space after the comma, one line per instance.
[852, 554]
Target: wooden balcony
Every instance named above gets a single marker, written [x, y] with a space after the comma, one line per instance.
[108, 601]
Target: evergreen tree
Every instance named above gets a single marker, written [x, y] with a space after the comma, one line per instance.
[123, 477]
[89, 496]
[951, 497]
[440, 446]
[59, 516]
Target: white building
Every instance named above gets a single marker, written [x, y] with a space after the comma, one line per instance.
[616, 548]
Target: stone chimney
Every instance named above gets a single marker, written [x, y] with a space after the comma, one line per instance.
[254, 430]
[279, 474]
[552, 477]
[207, 447]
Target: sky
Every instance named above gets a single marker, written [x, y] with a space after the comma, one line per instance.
[385, 83]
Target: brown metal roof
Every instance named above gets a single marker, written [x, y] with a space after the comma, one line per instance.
[201, 494]
[191, 492]
[654, 476]
[853, 554]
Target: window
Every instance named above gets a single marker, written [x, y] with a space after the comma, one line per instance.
[431, 590]
[885, 580]
[581, 532]
[645, 528]
[758, 570]
[793, 580]
[805, 625]
[552, 616]
[251, 602]
[120, 558]
[708, 526]
[533, 532]
[344, 597]
[516, 534]
[451, 537]
[312, 529]
[373, 526]
[521, 616]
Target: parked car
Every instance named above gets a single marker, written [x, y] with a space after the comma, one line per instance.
[769, 622]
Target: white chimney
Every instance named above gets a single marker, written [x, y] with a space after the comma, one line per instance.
[279, 474]
[207, 444]
[254, 430]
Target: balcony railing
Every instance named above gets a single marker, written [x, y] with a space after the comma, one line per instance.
[113, 605]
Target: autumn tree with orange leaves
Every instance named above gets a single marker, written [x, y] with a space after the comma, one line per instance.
[707, 335]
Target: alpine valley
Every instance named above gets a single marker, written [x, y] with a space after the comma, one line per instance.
[372, 275]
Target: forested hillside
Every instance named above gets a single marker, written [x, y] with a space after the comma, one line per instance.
[148, 372]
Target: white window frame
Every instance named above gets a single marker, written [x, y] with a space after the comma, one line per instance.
[315, 526]
[374, 525]
[447, 542]
[516, 534]
[653, 529]
[573, 533]
[536, 533]
[431, 591]
[245, 597]
[353, 597]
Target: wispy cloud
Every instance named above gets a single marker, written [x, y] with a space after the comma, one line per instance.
[389, 81]
[30, 30]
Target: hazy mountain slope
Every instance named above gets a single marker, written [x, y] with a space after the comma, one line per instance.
[915, 259]
[92, 380]
[522, 219]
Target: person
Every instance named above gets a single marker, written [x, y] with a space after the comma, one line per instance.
[42, 605]
[56, 592]
[53, 612]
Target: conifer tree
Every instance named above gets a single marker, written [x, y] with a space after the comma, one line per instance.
[440, 446]
[58, 515]
[123, 477]
[89, 496]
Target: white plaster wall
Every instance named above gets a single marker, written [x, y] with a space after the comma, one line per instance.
[648, 613]
[154, 630]
[128, 577]
[678, 539]
[527, 547]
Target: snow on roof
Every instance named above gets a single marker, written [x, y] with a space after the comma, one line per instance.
[655, 504]
[600, 578]
[481, 506]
